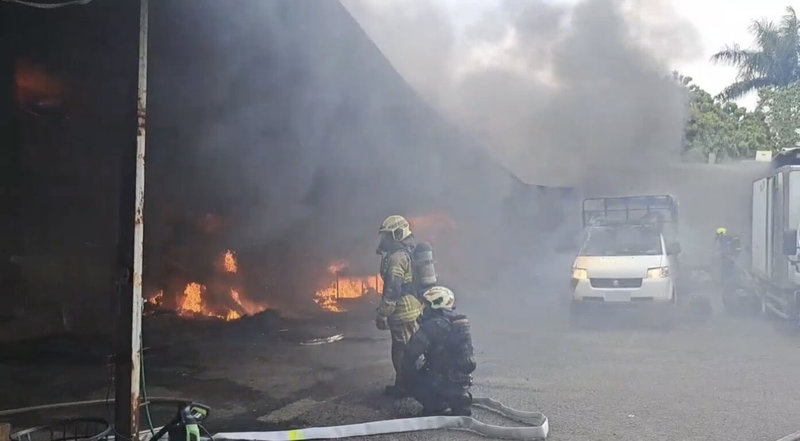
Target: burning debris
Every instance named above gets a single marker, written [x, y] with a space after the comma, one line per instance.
[223, 301]
[249, 307]
[158, 299]
[344, 287]
[192, 302]
[229, 262]
[222, 296]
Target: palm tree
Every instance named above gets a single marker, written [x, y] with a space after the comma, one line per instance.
[773, 63]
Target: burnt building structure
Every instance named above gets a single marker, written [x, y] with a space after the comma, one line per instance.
[275, 128]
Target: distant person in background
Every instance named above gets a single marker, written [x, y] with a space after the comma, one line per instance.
[728, 248]
[722, 232]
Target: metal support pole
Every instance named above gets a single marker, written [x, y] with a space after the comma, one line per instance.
[10, 166]
[128, 359]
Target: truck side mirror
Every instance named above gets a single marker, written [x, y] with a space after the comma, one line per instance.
[790, 243]
[673, 248]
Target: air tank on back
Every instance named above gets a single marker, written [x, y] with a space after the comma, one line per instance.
[424, 269]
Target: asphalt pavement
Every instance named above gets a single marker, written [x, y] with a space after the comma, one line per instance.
[722, 378]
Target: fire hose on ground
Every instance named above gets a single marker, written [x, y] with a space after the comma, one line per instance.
[535, 426]
[791, 437]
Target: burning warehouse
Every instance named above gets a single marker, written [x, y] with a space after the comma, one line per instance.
[269, 163]
[278, 136]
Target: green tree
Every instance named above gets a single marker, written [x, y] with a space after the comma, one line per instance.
[773, 63]
[781, 107]
[723, 128]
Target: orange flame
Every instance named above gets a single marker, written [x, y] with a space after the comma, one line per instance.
[33, 84]
[249, 307]
[224, 303]
[158, 299]
[432, 226]
[345, 288]
[192, 302]
[229, 262]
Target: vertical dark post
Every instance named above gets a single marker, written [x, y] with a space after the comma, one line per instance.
[9, 163]
[131, 237]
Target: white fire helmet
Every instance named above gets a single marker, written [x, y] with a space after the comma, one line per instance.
[397, 226]
[440, 297]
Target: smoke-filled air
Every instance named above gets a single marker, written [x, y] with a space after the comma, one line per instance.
[541, 219]
[558, 92]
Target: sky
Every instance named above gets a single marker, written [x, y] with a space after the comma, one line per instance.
[717, 23]
[717, 29]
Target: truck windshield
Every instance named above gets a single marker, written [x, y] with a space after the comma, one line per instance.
[625, 241]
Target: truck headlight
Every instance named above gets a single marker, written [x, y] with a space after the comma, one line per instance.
[658, 273]
[579, 274]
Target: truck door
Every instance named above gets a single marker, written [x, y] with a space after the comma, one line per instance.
[760, 239]
[792, 218]
[779, 214]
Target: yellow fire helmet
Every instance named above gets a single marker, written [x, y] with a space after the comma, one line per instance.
[721, 231]
[396, 225]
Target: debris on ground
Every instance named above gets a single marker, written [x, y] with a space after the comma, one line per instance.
[322, 340]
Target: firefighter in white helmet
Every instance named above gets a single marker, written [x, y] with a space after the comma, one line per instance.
[399, 308]
[444, 339]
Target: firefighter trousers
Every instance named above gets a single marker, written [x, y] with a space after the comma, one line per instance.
[400, 338]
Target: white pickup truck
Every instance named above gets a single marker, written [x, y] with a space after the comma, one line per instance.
[629, 256]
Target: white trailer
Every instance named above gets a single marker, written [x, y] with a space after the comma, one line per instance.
[774, 243]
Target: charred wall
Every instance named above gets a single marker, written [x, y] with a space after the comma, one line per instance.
[9, 172]
[72, 82]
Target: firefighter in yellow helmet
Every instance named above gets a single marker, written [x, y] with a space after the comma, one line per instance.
[399, 307]
[728, 247]
[725, 243]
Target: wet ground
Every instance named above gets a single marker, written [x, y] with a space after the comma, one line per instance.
[613, 379]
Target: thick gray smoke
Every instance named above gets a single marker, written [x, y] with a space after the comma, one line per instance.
[284, 119]
[557, 92]
[568, 93]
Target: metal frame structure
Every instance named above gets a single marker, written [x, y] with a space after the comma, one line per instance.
[625, 206]
[130, 243]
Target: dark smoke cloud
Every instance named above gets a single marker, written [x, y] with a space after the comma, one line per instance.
[555, 91]
[284, 118]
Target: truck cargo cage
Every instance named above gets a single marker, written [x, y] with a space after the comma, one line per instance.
[657, 211]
